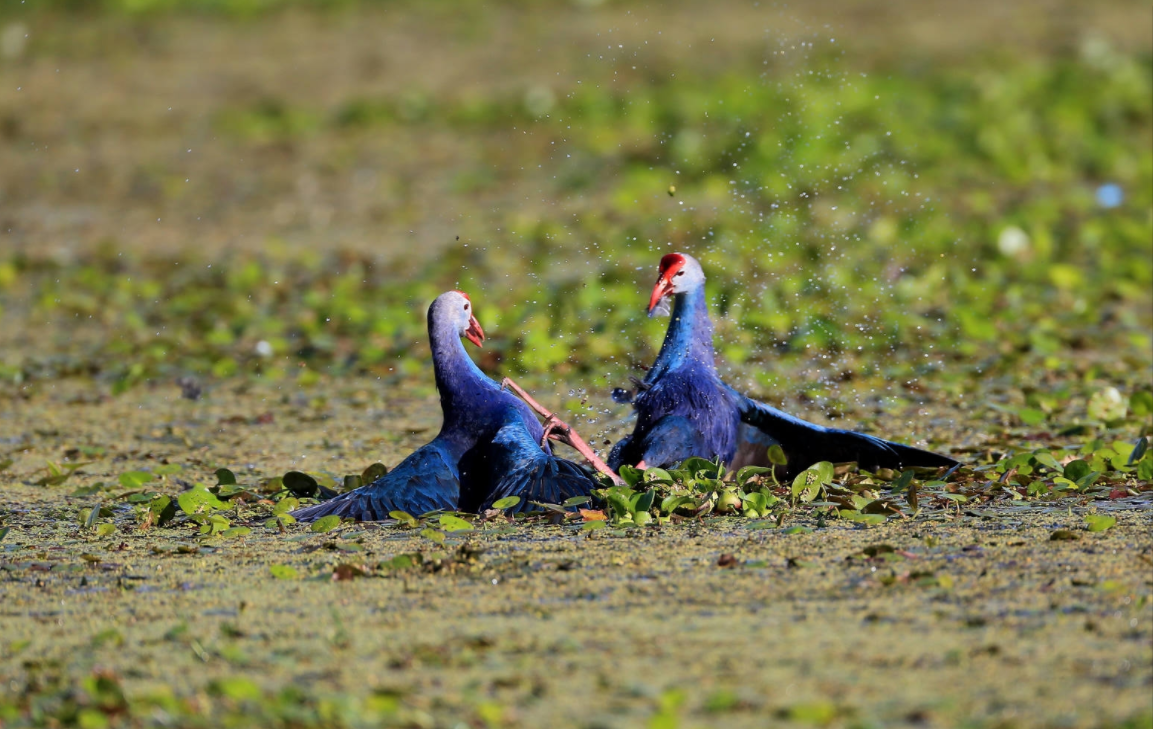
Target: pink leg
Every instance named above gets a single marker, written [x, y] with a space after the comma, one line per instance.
[558, 430]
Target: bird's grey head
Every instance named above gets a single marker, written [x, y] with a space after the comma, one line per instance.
[454, 308]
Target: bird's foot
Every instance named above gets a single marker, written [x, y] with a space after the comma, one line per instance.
[552, 424]
[560, 431]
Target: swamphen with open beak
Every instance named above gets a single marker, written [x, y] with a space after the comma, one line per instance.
[489, 447]
[684, 409]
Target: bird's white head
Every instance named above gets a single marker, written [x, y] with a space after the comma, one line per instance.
[456, 307]
[679, 272]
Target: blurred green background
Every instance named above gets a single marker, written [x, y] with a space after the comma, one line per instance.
[277, 189]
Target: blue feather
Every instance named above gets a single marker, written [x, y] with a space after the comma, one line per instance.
[487, 448]
[687, 410]
[425, 481]
[514, 464]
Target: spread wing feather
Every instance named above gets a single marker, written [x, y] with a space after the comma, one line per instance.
[805, 443]
[425, 481]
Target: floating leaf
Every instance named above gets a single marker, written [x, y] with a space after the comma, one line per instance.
[433, 535]
[701, 468]
[4, 532]
[671, 503]
[644, 501]
[576, 501]
[1145, 469]
[880, 506]
[239, 531]
[225, 477]
[285, 505]
[135, 479]
[902, 482]
[283, 571]
[451, 523]
[300, 484]
[657, 475]
[1088, 480]
[198, 500]
[1100, 522]
[105, 530]
[859, 518]
[1046, 459]
[747, 473]
[589, 526]
[213, 524]
[630, 475]
[403, 516]
[508, 502]
[777, 455]
[1064, 535]
[807, 484]
[325, 524]
[621, 506]
[229, 491]
[373, 472]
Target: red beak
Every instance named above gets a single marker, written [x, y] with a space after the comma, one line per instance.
[474, 333]
[663, 288]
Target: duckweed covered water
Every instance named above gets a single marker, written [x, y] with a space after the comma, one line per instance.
[220, 225]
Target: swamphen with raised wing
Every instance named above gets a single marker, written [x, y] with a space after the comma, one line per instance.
[684, 409]
[489, 447]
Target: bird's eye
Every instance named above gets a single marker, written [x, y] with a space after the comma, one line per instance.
[466, 307]
[679, 273]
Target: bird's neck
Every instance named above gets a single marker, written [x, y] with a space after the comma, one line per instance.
[689, 340]
[461, 384]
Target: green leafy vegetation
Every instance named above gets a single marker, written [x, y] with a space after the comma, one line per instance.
[699, 488]
[983, 238]
[212, 308]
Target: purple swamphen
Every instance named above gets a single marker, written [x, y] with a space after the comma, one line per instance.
[684, 409]
[490, 446]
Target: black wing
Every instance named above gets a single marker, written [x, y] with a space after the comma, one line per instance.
[806, 443]
[425, 481]
[514, 464]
